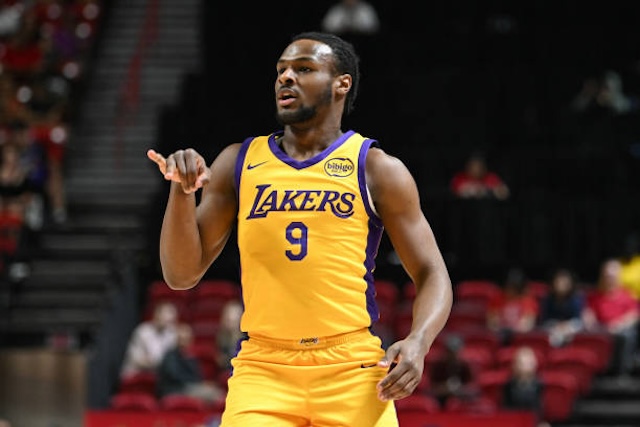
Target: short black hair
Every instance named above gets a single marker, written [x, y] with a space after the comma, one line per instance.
[347, 60]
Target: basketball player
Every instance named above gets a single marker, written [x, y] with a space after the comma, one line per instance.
[311, 202]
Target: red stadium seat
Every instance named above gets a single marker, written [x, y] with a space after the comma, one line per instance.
[418, 403]
[478, 356]
[558, 396]
[538, 289]
[386, 291]
[205, 309]
[207, 356]
[216, 288]
[144, 382]
[409, 292]
[134, 401]
[205, 331]
[182, 403]
[482, 405]
[223, 378]
[402, 324]
[159, 290]
[484, 337]
[481, 291]
[491, 383]
[600, 343]
[581, 362]
[388, 312]
[461, 321]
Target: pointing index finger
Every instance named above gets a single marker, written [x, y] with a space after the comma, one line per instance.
[159, 160]
[155, 156]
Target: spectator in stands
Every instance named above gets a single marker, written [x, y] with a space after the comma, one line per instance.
[179, 371]
[562, 309]
[476, 181]
[15, 188]
[47, 121]
[11, 109]
[604, 95]
[451, 375]
[630, 266]
[229, 335]
[523, 390]
[514, 310]
[23, 55]
[351, 17]
[615, 310]
[150, 340]
[33, 160]
[359, 22]
[10, 18]
[15, 193]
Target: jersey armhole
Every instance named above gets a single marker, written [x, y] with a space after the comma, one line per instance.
[362, 181]
[242, 154]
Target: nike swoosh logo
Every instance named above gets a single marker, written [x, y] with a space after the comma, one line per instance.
[250, 166]
[363, 366]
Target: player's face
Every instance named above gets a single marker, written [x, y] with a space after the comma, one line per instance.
[304, 85]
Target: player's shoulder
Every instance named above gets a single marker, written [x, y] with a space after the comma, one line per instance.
[379, 162]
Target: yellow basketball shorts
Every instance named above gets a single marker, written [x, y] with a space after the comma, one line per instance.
[318, 382]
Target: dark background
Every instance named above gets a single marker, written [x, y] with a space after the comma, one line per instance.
[441, 80]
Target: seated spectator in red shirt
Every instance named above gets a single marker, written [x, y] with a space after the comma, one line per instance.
[22, 54]
[514, 310]
[615, 310]
[477, 182]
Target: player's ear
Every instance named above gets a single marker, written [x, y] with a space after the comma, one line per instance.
[342, 84]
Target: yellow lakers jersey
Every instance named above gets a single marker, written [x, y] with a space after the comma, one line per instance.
[308, 237]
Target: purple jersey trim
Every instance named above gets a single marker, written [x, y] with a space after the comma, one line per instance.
[373, 243]
[375, 231]
[296, 164]
[242, 154]
[362, 181]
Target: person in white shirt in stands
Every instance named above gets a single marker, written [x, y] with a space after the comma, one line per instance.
[150, 341]
[351, 17]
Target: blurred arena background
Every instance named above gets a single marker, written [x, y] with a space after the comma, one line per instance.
[90, 85]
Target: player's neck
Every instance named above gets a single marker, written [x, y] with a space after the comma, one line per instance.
[302, 145]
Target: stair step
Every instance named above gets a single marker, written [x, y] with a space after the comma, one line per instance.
[86, 222]
[62, 298]
[116, 201]
[80, 246]
[70, 282]
[609, 411]
[54, 319]
[611, 387]
[70, 271]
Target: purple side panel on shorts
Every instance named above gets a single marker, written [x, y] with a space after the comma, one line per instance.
[374, 234]
[242, 154]
[296, 164]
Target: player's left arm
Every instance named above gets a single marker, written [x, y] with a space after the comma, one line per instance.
[397, 201]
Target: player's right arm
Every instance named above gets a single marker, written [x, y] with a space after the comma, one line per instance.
[193, 235]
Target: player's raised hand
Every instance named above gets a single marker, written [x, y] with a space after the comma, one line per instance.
[186, 167]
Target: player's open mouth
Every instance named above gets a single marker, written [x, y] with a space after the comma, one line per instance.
[286, 97]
